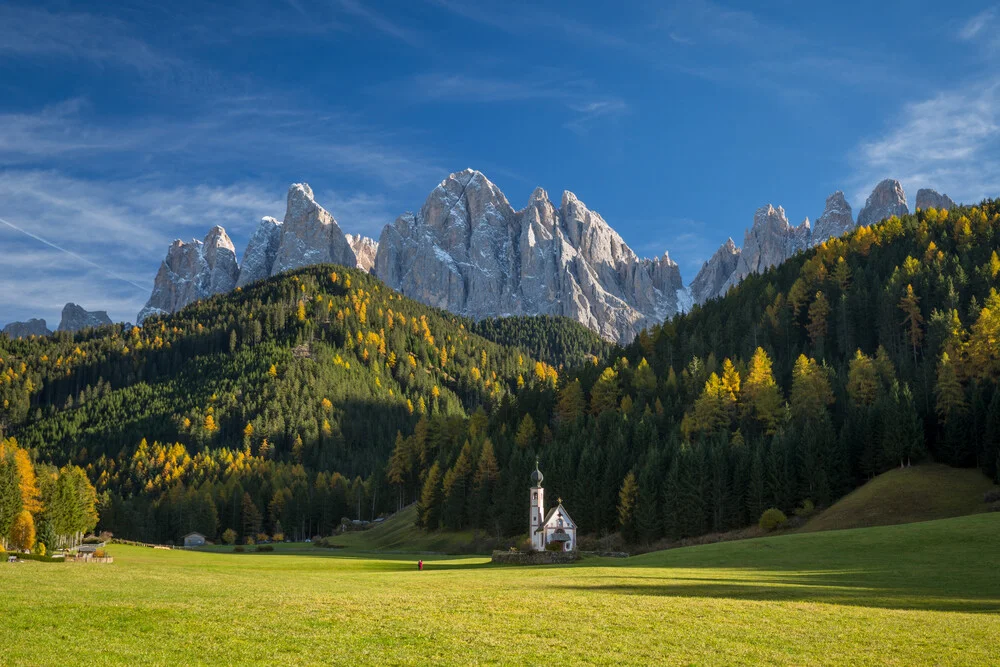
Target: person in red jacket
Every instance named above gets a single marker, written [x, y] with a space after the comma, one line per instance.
[420, 565]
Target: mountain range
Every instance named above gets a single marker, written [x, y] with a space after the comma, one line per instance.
[74, 318]
[467, 250]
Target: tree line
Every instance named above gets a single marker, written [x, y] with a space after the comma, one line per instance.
[317, 395]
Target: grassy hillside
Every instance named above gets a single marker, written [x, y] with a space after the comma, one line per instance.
[903, 595]
[399, 534]
[918, 493]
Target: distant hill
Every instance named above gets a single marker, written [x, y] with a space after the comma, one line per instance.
[399, 534]
[905, 495]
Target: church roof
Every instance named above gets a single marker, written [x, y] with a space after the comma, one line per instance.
[552, 513]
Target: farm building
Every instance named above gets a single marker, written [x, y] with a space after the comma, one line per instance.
[194, 540]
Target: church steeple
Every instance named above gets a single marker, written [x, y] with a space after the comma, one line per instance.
[537, 477]
[535, 519]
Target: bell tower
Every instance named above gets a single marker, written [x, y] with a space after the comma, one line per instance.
[537, 509]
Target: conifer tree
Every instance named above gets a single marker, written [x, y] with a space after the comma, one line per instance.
[628, 499]
[950, 395]
[760, 398]
[429, 507]
[910, 305]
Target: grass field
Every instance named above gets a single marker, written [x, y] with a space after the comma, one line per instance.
[921, 493]
[922, 593]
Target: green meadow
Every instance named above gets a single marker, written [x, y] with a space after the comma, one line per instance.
[923, 593]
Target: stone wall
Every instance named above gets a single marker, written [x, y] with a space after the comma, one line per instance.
[534, 557]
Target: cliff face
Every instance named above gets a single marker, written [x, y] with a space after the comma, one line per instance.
[75, 318]
[193, 271]
[837, 219]
[470, 252]
[309, 234]
[931, 199]
[885, 201]
[364, 250]
[33, 327]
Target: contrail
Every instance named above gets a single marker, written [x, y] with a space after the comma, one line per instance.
[74, 256]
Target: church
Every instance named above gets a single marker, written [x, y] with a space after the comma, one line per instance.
[556, 526]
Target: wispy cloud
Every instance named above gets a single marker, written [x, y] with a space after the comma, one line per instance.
[580, 97]
[381, 22]
[979, 24]
[520, 18]
[103, 40]
[949, 142]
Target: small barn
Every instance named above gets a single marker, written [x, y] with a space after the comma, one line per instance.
[194, 540]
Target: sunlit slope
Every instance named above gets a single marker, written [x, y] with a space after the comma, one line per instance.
[904, 495]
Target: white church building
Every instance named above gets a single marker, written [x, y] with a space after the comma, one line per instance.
[556, 526]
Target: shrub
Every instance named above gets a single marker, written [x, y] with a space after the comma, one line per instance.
[92, 539]
[100, 553]
[264, 547]
[278, 537]
[238, 549]
[554, 546]
[991, 496]
[262, 537]
[249, 541]
[39, 549]
[771, 519]
[229, 536]
[40, 559]
[806, 509]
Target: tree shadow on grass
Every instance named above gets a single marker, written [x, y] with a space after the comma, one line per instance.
[882, 589]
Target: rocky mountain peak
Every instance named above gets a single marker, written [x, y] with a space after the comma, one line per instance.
[309, 234]
[33, 327]
[538, 195]
[193, 271]
[258, 258]
[885, 201]
[468, 251]
[75, 318]
[927, 198]
[837, 219]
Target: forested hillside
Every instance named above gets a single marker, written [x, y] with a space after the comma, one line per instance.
[554, 339]
[275, 406]
[320, 394]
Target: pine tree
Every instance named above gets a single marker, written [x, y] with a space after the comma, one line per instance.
[950, 395]
[910, 305]
[571, 404]
[483, 485]
[250, 517]
[429, 507]
[628, 499]
[811, 391]
[11, 503]
[455, 487]
[862, 380]
[527, 433]
[760, 398]
[604, 395]
[819, 311]
[647, 513]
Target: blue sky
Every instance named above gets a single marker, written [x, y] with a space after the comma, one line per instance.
[125, 125]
